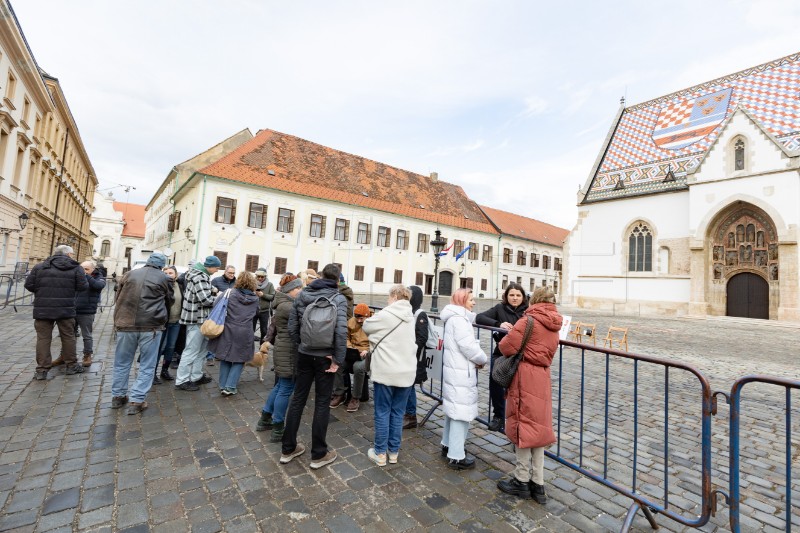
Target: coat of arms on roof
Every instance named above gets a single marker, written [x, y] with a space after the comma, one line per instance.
[684, 122]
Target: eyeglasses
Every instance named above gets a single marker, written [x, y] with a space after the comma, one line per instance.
[261, 277]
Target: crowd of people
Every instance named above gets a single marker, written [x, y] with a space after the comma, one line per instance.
[316, 335]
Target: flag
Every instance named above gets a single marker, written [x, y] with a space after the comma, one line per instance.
[462, 252]
[444, 252]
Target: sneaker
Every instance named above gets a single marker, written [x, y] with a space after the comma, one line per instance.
[232, 391]
[515, 487]
[377, 458]
[393, 457]
[40, 375]
[203, 380]
[353, 405]
[336, 401]
[537, 492]
[74, 368]
[326, 459]
[188, 386]
[87, 359]
[409, 421]
[118, 401]
[497, 424]
[136, 407]
[265, 422]
[463, 464]
[58, 361]
[299, 449]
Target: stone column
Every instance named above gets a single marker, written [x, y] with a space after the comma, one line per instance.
[789, 304]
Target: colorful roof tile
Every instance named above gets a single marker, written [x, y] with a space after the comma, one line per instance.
[525, 228]
[133, 216]
[673, 132]
[287, 163]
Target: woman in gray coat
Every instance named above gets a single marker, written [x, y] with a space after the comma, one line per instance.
[235, 346]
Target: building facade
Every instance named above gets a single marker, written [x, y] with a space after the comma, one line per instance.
[694, 203]
[119, 228]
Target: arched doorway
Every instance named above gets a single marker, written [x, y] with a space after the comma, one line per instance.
[445, 283]
[748, 296]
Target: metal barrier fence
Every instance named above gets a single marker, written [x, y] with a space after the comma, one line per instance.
[15, 294]
[586, 388]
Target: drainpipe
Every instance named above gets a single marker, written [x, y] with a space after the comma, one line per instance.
[200, 217]
[497, 274]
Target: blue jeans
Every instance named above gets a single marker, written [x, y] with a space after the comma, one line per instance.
[390, 403]
[278, 400]
[192, 358]
[168, 340]
[454, 437]
[411, 404]
[127, 342]
[229, 374]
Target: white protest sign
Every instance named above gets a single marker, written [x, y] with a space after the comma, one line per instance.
[567, 320]
[433, 358]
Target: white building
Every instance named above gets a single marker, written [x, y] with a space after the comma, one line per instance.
[694, 203]
[119, 228]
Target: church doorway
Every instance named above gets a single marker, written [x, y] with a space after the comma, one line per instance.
[445, 283]
[748, 296]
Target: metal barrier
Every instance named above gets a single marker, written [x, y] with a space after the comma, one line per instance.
[17, 296]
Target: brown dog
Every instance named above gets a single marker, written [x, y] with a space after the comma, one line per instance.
[260, 359]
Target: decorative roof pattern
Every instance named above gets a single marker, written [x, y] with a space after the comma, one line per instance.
[287, 163]
[133, 217]
[674, 132]
[526, 228]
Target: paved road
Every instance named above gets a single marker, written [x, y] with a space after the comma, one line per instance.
[193, 462]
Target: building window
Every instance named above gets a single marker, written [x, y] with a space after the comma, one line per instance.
[473, 251]
[398, 276]
[177, 220]
[546, 262]
[521, 256]
[257, 217]
[738, 158]
[402, 239]
[544, 283]
[342, 231]
[506, 255]
[487, 253]
[4, 253]
[533, 285]
[359, 274]
[363, 235]
[285, 220]
[640, 249]
[251, 263]
[384, 236]
[519, 281]
[378, 275]
[26, 110]
[280, 265]
[468, 283]
[535, 260]
[105, 248]
[222, 256]
[314, 265]
[557, 264]
[484, 284]
[458, 247]
[422, 242]
[226, 210]
[555, 286]
[11, 85]
[504, 286]
[418, 279]
[317, 226]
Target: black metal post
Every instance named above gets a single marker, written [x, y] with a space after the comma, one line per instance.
[58, 194]
[435, 295]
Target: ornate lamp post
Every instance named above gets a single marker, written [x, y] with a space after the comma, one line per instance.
[437, 244]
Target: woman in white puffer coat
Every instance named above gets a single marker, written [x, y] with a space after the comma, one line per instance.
[462, 358]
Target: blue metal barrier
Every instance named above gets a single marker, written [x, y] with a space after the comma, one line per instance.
[17, 296]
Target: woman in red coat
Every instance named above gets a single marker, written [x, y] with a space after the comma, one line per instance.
[529, 403]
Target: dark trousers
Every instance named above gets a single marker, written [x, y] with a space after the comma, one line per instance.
[44, 338]
[498, 397]
[310, 370]
[262, 320]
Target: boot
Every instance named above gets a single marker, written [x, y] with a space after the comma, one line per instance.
[537, 492]
[409, 421]
[156, 380]
[515, 487]
[58, 361]
[87, 359]
[277, 432]
[165, 375]
[265, 422]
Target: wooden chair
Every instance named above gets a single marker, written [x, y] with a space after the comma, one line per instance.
[618, 336]
[587, 331]
[574, 331]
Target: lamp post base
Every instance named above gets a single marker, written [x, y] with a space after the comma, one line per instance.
[435, 302]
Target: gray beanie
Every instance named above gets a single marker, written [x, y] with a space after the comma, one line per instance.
[157, 259]
[212, 261]
[290, 286]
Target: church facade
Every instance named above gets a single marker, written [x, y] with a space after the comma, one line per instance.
[693, 204]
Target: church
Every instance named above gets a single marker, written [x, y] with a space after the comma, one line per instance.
[693, 203]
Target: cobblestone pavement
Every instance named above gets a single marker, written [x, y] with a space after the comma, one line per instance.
[193, 461]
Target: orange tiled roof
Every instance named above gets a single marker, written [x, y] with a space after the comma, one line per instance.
[526, 228]
[133, 215]
[309, 169]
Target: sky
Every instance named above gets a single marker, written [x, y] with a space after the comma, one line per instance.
[511, 100]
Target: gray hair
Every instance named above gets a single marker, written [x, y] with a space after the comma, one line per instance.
[89, 263]
[63, 249]
[399, 292]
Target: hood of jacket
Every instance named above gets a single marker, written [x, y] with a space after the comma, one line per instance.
[61, 262]
[319, 284]
[245, 296]
[400, 309]
[280, 298]
[452, 310]
[416, 298]
[546, 314]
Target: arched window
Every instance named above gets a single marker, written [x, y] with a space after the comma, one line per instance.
[738, 155]
[640, 249]
[105, 249]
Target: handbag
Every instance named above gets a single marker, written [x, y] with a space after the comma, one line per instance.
[272, 332]
[213, 326]
[368, 358]
[505, 368]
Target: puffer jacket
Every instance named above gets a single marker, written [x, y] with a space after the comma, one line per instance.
[86, 301]
[347, 292]
[235, 345]
[394, 360]
[498, 314]
[327, 288]
[421, 334]
[198, 299]
[143, 299]
[462, 352]
[284, 353]
[55, 282]
[529, 402]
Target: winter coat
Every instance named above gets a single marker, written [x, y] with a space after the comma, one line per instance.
[327, 288]
[54, 283]
[267, 296]
[235, 345]
[462, 352]
[143, 298]
[495, 316]
[177, 304]
[284, 353]
[394, 361]
[421, 334]
[529, 402]
[198, 298]
[347, 292]
[86, 301]
[356, 338]
[222, 284]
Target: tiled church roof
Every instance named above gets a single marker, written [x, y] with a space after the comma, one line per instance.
[674, 132]
[288, 163]
[526, 228]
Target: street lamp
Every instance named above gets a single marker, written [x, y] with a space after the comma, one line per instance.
[188, 234]
[437, 244]
[23, 221]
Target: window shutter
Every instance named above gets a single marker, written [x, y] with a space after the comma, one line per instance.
[388, 236]
[217, 218]
[408, 238]
[171, 223]
[177, 220]
[233, 212]
[322, 229]
[263, 216]
[291, 221]
[347, 230]
[369, 233]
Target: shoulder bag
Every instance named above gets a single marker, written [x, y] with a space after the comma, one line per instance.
[505, 368]
[368, 358]
[215, 323]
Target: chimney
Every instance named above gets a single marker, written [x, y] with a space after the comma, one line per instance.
[434, 176]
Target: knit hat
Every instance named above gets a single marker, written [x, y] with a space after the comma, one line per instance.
[361, 309]
[260, 272]
[212, 261]
[157, 259]
[296, 283]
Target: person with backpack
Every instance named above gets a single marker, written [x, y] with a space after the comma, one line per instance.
[421, 328]
[318, 325]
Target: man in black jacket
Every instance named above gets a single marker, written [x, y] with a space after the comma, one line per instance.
[54, 283]
[143, 299]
